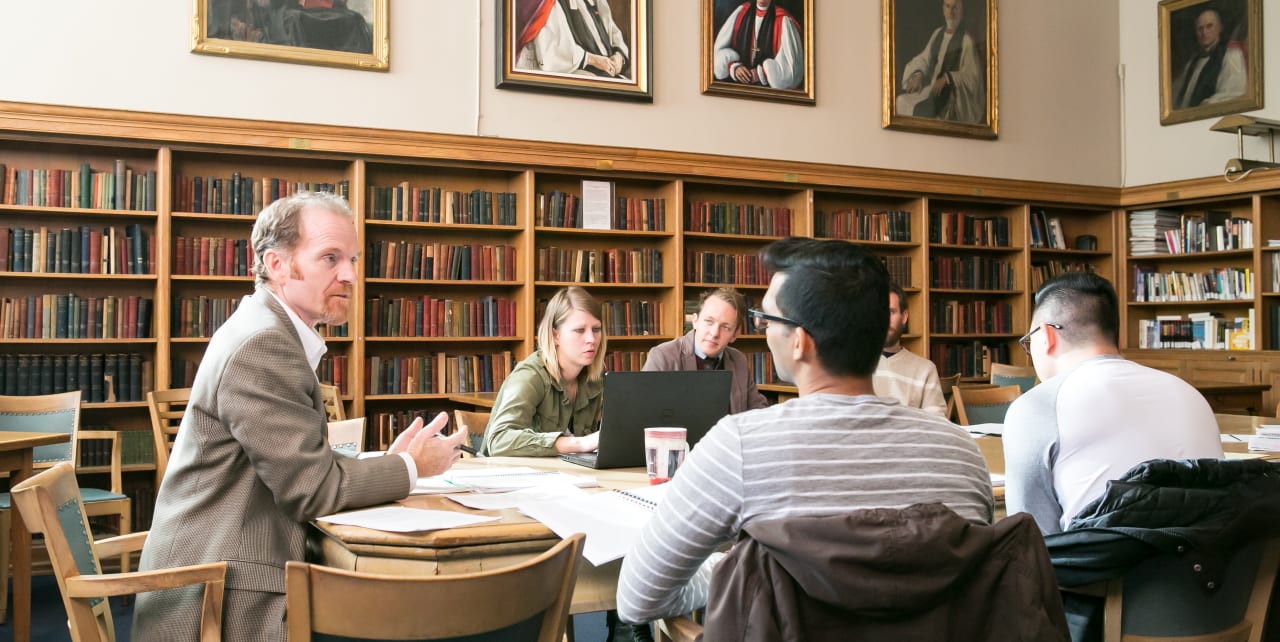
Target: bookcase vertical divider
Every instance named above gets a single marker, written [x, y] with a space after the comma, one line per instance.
[161, 326]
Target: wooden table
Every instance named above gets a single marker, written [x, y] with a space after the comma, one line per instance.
[511, 540]
[1235, 398]
[475, 399]
[16, 459]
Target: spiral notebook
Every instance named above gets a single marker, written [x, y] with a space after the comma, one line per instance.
[612, 520]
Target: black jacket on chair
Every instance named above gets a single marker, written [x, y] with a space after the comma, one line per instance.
[919, 573]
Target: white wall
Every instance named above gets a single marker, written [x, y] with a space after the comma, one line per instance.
[1154, 153]
[1059, 115]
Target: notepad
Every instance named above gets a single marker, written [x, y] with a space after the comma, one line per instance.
[513, 499]
[611, 520]
[494, 480]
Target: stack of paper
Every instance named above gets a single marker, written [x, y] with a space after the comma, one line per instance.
[492, 480]
[403, 519]
[1266, 438]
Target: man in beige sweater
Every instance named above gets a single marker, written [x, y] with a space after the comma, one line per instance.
[901, 375]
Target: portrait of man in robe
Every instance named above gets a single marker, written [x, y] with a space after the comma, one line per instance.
[1209, 58]
[588, 44]
[940, 66]
[327, 32]
[758, 49]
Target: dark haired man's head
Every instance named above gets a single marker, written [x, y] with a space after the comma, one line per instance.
[898, 316]
[1078, 315]
[838, 293]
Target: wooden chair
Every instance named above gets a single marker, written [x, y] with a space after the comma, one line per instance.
[474, 423]
[1003, 374]
[50, 504]
[984, 405]
[948, 383]
[1155, 601]
[347, 436]
[167, 408]
[61, 413]
[332, 402]
[531, 600]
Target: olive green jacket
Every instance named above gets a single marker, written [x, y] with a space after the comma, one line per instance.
[532, 410]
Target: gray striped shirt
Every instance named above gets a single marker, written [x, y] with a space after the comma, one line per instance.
[816, 455]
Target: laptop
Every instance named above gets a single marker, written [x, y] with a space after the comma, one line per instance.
[633, 401]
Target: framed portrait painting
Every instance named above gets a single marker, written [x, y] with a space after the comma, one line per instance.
[589, 47]
[940, 73]
[758, 49]
[1210, 58]
[336, 33]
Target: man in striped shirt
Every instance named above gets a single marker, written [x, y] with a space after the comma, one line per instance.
[834, 449]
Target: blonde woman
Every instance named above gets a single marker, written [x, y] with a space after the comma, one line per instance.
[550, 403]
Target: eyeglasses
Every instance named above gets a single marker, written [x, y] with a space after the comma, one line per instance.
[1025, 341]
[767, 318]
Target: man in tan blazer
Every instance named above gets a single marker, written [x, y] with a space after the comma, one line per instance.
[706, 347]
[251, 464]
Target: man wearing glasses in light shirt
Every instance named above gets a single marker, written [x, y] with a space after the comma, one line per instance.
[1096, 414]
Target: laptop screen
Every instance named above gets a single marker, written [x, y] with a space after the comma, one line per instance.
[694, 400]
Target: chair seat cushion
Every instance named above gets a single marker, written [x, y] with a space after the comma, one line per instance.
[90, 495]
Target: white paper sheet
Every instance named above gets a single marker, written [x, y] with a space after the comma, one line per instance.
[403, 519]
[611, 520]
[499, 501]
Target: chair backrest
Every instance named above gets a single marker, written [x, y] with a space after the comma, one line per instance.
[332, 402]
[474, 423]
[984, 405]
[167, 408]
[1160, 599]
[44, 413]
[1003, 374]
[948, 383]
[533, 597]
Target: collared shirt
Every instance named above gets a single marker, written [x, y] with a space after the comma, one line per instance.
[314, 347]
[705, 362]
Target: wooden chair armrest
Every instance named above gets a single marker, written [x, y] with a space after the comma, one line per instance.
[97, 434]
[84, 586]
[116, 438]
[1097, 589]
[679, 629]
[113, 546]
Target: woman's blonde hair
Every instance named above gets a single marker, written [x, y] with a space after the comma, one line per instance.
[558, 309]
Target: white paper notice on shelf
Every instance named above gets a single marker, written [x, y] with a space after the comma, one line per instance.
[597, 205]
[403, 519]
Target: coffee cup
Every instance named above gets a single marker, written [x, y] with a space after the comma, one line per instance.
[664, 451]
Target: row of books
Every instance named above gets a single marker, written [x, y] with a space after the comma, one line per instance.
[958, 228]
[243, 195]
[333, 371]
[99, 377]
[436, 373]
[71, 316]
[200, 316]
[968, 358]
[1212, 231]
[406, 203]
[631, 318]
[624, 360]
[1220, 284]
[637, 265]
[732, 269]
[970, 317]
[137, 447]
[1046, 231]
[899, 268]
[122, 188]
[441, 261]
[330, 331]
[970, 273]
[564, 209]
[1196, 331]
[762, 368]
[426, 316]
[861, 225]
[212, 256]
[388, 425]
[737, 218]
[79, 251]
[1042, 271]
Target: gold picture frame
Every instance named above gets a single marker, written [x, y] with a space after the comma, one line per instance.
[567, 48]
[725, 24]
[334, 33]
[1210, 58]
[963, 97]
